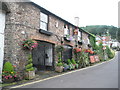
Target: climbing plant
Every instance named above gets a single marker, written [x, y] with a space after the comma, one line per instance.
[93, 42]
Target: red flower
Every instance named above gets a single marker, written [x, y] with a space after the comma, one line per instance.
[77, 50]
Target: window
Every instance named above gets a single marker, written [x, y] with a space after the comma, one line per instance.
[43, 21]
[66, 30]
[79, 35]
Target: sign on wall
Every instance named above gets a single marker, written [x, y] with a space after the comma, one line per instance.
[92, 59]
[96, 58]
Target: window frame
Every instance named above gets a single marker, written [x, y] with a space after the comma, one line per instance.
[79, 36]
[68, 29]
[44, 22]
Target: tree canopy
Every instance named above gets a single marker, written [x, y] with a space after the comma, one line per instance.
[104, 29]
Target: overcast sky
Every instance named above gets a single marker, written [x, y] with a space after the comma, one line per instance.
[90, 12]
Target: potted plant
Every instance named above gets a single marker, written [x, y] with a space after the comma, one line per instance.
[65, 67]
[74, 63]
[59, 67]
[29, 44]
[29, 69]
[71, 66]
[8, 73]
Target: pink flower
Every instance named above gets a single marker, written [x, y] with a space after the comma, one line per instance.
[15, 76]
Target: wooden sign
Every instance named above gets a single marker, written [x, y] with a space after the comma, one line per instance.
[96, 58]
[92, 59]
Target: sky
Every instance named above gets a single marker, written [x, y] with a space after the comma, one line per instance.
[90, 12]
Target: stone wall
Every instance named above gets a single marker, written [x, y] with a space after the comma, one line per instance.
[24, 17]
[85, 41]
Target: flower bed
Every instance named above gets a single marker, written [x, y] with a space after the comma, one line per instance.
[8, 73]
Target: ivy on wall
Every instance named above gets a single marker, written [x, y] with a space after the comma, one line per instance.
[92, 42]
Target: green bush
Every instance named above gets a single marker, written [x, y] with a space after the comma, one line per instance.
[59, 64]
[59, 48]
[8, 67]
[29, 66]
[76, 65]
[30, 69]
[101, 52]
[109, 52]
[71, 66]
[73, 61]
[69, 61]
[92, 42]
[83, 59]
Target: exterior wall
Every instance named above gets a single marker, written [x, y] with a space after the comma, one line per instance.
[23, 22]
[25, 17]
[85, 41]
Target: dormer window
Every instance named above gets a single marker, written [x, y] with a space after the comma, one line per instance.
[43, 21]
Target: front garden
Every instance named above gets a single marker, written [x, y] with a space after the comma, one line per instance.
[83, 57]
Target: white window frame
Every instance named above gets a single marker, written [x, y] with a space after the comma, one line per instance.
[88, 41]
[43, 21]
[66, 30]
[79, 35]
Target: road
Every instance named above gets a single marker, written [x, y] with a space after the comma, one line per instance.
[100, 76]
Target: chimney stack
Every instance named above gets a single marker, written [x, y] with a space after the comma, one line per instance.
[76, 21]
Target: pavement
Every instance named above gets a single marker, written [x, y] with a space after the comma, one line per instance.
[104, 75]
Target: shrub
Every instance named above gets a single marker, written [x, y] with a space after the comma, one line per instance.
[70, 64]
[73, 61]
[101, 52]
[59, 64]
[59, 48]
[65, 67]
[8, 67]
[69, 61]
[83, 59]
[109, 52]
[8, 72]
[29, 66]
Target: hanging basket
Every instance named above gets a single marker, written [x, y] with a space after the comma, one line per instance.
[29, 44]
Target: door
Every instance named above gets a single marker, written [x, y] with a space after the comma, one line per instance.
[2, 27]
[48, 55]
[43, 55]
[67, 53]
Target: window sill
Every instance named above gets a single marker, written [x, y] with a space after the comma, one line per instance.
[80, 43]
[66, 39]
[45, 32]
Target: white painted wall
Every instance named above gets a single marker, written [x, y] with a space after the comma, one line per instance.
[2, 27]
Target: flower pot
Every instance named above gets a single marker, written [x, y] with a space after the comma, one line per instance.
[59, 68]
[29, 75]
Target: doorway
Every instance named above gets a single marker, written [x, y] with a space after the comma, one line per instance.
[43, 56]
[67, 53]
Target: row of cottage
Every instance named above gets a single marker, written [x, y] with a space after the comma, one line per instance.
[26, 20]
